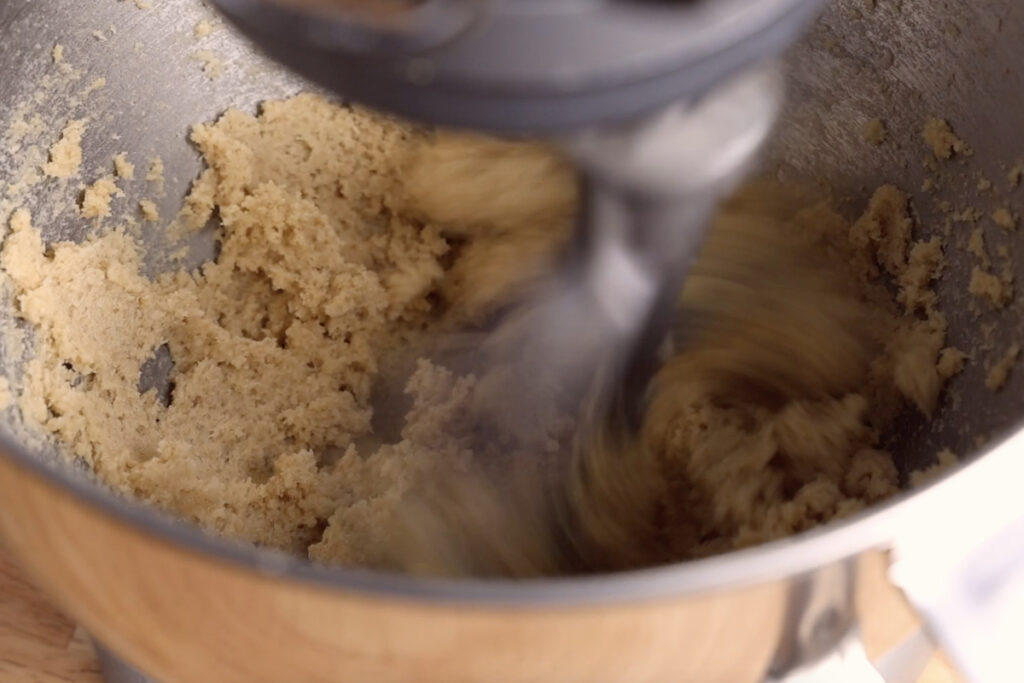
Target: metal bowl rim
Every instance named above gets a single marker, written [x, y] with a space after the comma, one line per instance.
[874, 528]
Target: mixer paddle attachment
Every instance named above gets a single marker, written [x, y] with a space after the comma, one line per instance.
[651, 188]
[585, 343]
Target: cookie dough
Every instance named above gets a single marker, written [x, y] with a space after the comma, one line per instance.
[766, 422]
[939, 135]
[149, 210]
[996, 290]
[123, 168]
[875, 132]
[347, 237]
[66, 153]
[1000, 371]
[97, 197]
[1005, 219]
[274, 346]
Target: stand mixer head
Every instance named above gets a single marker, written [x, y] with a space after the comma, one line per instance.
[525, 66]
[662, 105]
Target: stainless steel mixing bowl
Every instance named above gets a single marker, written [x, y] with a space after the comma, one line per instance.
[185, 606]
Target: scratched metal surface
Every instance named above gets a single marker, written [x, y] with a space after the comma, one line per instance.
[903, 62]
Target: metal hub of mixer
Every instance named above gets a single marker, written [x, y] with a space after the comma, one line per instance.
[521, 65]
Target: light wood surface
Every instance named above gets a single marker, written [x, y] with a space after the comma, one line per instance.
[37, 643]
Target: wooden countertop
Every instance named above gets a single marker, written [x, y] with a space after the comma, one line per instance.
[37, 643]
[40, 645]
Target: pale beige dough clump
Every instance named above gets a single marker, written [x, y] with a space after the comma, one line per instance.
[939, 135]
[213, 67]
[155, 174]
[346, 236]
[66, 153]
[1015, 175]
[122, 167]
[976, 247]
[997, 290]
[274, 347]
[1000, 371]
[149, 210]
[875, 132]
[96, 84]
[1005, 218]
[202, 29]
[951, 363]
[97, 197]
[945, 461]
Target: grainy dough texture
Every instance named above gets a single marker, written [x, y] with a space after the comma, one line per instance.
[939, 135]
[1004, 218]
[97, 197]
[875, 132]
[123, 168]
[149, 210]
[66, 153]
[346, 237]
[274, 346]
[1000, 372]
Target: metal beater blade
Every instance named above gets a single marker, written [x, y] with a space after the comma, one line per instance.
[651, 190]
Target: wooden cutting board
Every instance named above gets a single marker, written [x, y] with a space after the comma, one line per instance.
[39, 645]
